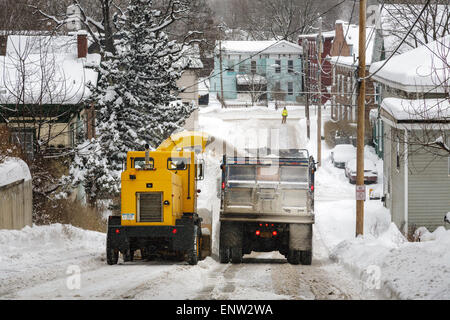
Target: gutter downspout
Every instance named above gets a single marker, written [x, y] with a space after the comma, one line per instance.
[406, 184]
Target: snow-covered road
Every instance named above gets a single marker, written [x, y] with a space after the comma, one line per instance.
[69, 263]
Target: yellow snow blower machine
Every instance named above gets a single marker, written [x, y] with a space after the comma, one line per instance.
[159, 202]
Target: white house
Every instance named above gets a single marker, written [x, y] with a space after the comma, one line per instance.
[413, 125]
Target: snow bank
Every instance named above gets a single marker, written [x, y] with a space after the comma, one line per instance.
[12, 170]
[383, 259]
[41, 253]
[404, 270]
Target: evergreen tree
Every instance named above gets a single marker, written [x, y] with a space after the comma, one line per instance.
[133, 98]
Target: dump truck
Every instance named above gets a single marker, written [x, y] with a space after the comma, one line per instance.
[159, 202]
[267, 204]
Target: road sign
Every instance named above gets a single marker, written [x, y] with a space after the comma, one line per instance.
[361, 193]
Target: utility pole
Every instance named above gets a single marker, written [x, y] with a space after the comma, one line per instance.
[360, 188]
[222, 100]
[305, 82]
[319, 100]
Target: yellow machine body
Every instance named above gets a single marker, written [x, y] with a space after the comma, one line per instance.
[178, 187]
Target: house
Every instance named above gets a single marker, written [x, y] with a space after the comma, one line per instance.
[188, 84]
[309, 44]
[255, 70]
[344, 59]
[412, 123]
[43, 86]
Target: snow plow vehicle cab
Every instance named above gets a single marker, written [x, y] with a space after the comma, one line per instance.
[159, 203]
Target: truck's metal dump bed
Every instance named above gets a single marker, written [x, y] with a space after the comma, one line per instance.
[269, 188]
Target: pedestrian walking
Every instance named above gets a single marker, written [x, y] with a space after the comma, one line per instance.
[284, 113]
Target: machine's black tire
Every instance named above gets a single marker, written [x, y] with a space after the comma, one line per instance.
[194, 251]
[236, 255]
[224, 255]
[294, 256]
[112, 255]
[306, 257]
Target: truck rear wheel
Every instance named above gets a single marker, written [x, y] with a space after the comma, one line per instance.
[224, 254]
[306, 257]
[236, 255]
[294, 256]
[112, 256]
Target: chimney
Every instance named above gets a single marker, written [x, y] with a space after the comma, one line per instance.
[82, 44]
[339, 29]
[3, 41]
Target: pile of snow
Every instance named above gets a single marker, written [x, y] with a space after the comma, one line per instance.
[12, 170]
[383, 259]
[41, 253]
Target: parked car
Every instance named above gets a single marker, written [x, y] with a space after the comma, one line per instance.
[370, 171]
[341, 154]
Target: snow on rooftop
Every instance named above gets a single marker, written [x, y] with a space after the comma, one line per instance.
[272, 46]
[13, 170]
[325, 34]
[190, 58]
[420, 109]
[421, 69]
[53, 73]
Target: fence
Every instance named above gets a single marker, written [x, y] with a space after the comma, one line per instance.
[16, 205]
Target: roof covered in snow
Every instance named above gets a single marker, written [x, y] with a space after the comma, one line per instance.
[13, 170]
[52, 73]
[325, 34]
[248, 47]
[417, 110]
[190, 58]
[423, 69]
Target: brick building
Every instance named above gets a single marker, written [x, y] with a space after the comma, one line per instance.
[344, 72]
[309, 42]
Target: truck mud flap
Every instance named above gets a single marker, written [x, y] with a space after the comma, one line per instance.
[300, 236]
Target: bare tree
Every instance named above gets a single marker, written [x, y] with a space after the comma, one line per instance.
[398, 18]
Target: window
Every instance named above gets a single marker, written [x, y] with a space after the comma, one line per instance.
[230, 67]
[72, 133]
[278, 66]
[290, 66]
[290, 88]
[25, 138]
[139, 163]
[253, 66]
[177, 163]
[242, 67]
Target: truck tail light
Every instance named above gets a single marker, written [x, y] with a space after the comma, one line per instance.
[274, 233]
[174, 231]
[117, 231]
[258, 232]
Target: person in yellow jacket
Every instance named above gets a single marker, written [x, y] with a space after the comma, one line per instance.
[284, 113]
